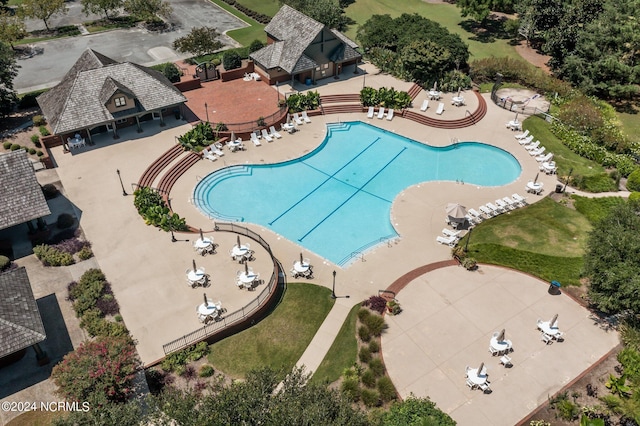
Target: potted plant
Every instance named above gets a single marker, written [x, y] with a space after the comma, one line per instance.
[469, 263]
[393, 307]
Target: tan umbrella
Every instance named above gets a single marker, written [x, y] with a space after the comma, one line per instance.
[435, 85]
[501, 336]
[206, 302]
[246, 268]
[238, 241]
[553, 320]
[480, 368]
[458, 91]
[456, 212]
[194, 265]
[201, 235]
[301, 259]
[233, 136]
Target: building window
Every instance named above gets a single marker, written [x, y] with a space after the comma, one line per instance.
[120, 101]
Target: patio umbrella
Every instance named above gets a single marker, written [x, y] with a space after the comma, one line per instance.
[206, 302]
[246, 268]
[516, 119]
[501, 336]
[536, 179]
[233, 136]
[201, 235]
[456, 212]
[458, 92]
[435, 85]
[553, 320]
[238, 241]
[480, 368]
[301, 259]
[194, 265]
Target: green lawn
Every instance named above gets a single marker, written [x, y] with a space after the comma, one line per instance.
[342, 353]
[266, 7]
[595, 209]
[563, 156]
[630, 125]
[244, 36]
[545, 239]
[279, 340]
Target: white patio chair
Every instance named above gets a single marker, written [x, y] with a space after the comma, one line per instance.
[471, 385]
[297, 119]
[371, 112]
[519, 199]
[522, 135]
[451, 241]
[505, 360]
[493, 351]
[425, 105]
[390, 114]
[266, 136]
[440, 109]
[484, 387]
[305, 117]
[546, 338]
[381, 113]
[450, 233]
[525, 141]
[273, 132]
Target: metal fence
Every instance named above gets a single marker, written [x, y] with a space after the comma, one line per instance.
[510, 105]
[249, 126]
[241, 314]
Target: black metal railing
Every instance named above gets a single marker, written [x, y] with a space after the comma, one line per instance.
[240, 315]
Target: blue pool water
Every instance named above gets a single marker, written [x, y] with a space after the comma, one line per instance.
[337, 199]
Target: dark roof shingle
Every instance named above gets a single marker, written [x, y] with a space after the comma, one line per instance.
[21, 198]
[20, 322]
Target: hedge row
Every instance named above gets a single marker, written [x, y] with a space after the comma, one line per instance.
[263, 19]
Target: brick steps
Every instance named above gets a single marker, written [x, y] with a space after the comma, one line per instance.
[345, 98]
[174, 173]
[342, 108]
[414, 91]
[154, 170]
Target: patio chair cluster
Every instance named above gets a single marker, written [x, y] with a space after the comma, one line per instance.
[450, 237]
[381, 113]
[209, 311]
[213, 152]
[489, 210]
[537, 151]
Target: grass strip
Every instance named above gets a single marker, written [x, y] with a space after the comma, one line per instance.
[280, 339]
[342, 353]
[244, 36]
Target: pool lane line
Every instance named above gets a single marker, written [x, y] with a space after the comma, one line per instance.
[354, 194]
[325, 181]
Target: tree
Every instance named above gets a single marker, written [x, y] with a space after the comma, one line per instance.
[109, 8]
[612, 260]
[327, 12]
[480, 9]
[424, 60]
[415, 412]
[148, 10]
[8, 71]
[12, 27]
[43, 9]
[231, 60]
[200, 41]
[98, 371]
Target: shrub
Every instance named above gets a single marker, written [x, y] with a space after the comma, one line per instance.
[221, 127]
[65, 221]
[376, 303]
[172, 72]
[261, 122]
[370, 397]
[153, 209]
[363, 313]
[351, 388]
[368, 379]
[107, 304]
[634, 196]
[255, 46]
[50, 191]
[364, 355]
[206, 371]
[28, 100]
[35, 138]
[15, 147]
[32, 151]
[44, 131]
[453, 80]
[39, 153]
[231, 60]
[4, 262]
[7, 144]
[38, 120]
[377, 366]
[633, 181]
[85, 253]
[50, 256]
[189, 373]
[374, 346]
[70, 245]
[375, 324]
[386, 389]
[363, 333]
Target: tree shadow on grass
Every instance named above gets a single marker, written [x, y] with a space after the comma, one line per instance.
[486, 31]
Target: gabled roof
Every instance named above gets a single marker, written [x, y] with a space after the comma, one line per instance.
[293, 32]
[77, 101]
[112, 86]
[20, 322]
[21, 198]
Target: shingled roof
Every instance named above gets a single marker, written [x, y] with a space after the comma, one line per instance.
[293, 32]
[21, 198]
[77, 102]
[20, 322]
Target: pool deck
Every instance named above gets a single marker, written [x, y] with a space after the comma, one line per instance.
[146, 269]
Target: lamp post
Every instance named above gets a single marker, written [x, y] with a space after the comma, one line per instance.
[173, 237]
[567, 181]
[333, 289]
[466, 245]
[206, 110]
[124, 193]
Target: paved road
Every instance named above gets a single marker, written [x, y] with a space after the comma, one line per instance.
[134, 45]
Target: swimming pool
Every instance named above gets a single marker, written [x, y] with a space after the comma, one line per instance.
[336, 200]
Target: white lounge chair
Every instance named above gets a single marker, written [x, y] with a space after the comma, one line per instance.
[512, 203]
[522, 135]
[381, 113]
[494, 208]
[297, 119]
[254, 139]
[450, 241]
[390, 114]
[537, 152]
[501, 204]
[266, 136]
[532, 146]
[425, 105]
[475, 214]
[440, 109]
[544, 158]
[305, 117]
[371, 112]
[525, 141]
[206, 153]
[519, 199]
[217, 149]
[487, 211]
[273, 133]
[449, 233]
